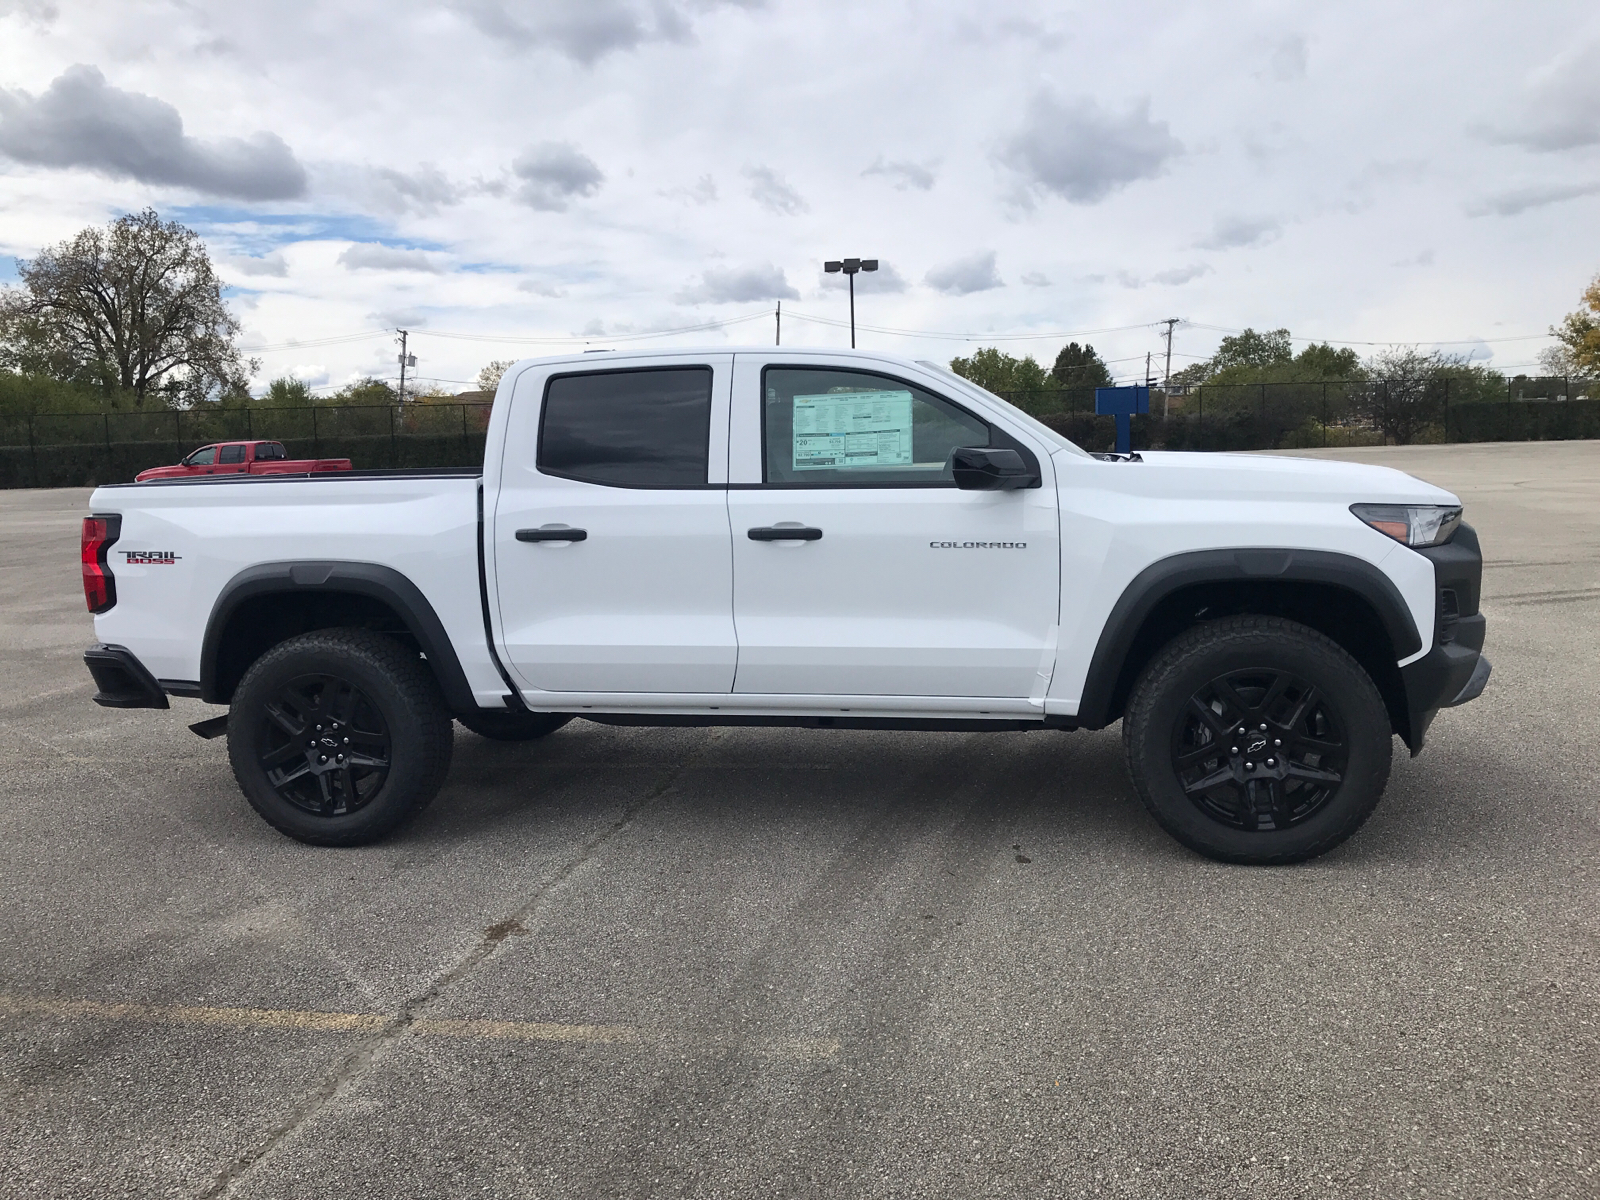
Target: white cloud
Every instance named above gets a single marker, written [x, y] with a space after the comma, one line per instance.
[884, 281]
[1035, 279]
[82, 121]
[974, 273]
[1520, 200]
[1561, 108]
[1171, 277]
[267, 264]
[904, 175]
[1233, 232]
[368, 257]
[585, 30]
[703, 191]
[739, 285]
[1083, 153]
[772, 191]
[538, 287]
[553, 174]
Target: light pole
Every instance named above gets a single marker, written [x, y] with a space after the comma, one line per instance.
[850, 266]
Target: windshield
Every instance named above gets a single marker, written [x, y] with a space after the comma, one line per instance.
[1033, 423]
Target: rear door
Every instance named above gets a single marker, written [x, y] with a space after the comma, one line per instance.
[896, 583]
[612, 554]
[231, 458]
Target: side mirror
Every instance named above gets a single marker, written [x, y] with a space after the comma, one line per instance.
[990, 469]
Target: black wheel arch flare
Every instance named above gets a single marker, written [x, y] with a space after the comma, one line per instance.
[1117, 656]
[371, 581]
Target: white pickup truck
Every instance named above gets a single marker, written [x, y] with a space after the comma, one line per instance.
[803, 538]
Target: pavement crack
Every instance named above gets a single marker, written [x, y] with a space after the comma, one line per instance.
[354, 1064]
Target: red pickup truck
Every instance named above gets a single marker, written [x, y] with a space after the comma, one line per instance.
[243, 458]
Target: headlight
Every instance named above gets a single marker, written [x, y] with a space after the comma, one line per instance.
[1413, 524]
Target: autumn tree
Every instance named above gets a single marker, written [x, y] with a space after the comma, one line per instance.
[134, 309]
[1579, 335]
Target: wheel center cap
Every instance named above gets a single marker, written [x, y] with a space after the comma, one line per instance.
[1256, 744]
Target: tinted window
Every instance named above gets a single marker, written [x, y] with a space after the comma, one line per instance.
[628, 428]
[231, 454]
[828, 428]
[270, 450]
[203, 457]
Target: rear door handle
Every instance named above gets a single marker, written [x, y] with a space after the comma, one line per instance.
[552, 535]
[785, 533]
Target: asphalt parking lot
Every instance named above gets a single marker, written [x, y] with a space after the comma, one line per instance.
[729, 963]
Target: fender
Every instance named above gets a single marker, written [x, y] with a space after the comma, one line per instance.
[1168, 575]
[357, 578]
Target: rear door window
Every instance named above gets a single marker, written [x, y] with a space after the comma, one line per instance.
[231, 454]
[636, 429]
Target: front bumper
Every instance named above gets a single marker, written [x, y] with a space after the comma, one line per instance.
[123, 681]
[1454, 671]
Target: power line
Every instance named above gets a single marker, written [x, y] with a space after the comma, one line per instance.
[598, 337]
[1521, 337]
[972, 337]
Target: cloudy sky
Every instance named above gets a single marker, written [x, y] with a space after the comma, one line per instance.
[488, 173]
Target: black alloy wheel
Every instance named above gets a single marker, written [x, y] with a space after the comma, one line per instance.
[339, 736]
[324, 745]
[1255, 739]
[1259, 749]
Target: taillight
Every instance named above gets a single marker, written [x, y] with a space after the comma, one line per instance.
[99, 588]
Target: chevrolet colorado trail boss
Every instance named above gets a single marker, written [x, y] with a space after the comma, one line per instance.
[798, 537]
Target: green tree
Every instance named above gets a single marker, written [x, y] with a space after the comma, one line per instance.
[1080, 367]
[1000, 372]
[134, 309]
[288, 392]
[1407, 390]
[365, 391]
[1579, 334]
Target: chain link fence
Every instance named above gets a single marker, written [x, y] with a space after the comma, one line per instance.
[83, 449]
[1295, 416]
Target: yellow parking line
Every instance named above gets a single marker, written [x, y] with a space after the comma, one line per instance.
[791, 1049]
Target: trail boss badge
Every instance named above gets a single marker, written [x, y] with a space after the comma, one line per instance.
[150, 558]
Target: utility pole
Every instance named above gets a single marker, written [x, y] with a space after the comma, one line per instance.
[777, 338]
[1147, 368]
[1166, 383]
[406, 360]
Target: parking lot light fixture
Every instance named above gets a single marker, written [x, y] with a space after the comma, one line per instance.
[849, 267]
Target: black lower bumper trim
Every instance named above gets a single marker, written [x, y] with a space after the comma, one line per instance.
[1475, 685]
[123, 680]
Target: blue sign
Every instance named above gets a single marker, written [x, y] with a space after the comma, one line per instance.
[1122, 403]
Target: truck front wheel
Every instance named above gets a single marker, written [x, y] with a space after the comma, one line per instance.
[338, 736]
[1257, 740]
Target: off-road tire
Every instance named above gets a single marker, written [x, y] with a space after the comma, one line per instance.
[513, 726]
[1264, 648]
[396, 691]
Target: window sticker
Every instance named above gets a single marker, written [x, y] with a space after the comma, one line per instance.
[845, 430]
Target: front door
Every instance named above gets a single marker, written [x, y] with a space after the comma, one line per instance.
[611, 544]
[895, 582]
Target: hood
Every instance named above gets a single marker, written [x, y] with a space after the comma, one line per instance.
[1244, 476]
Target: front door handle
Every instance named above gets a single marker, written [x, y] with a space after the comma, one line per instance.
[785, 533]
[552, 535]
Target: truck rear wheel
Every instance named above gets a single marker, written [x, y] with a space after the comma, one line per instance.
[1257, 740]
[338, 736]
[513, 726]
